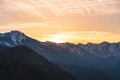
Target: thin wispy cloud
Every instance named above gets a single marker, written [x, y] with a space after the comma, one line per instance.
[27, 25]
[46, 8]
[57, 16]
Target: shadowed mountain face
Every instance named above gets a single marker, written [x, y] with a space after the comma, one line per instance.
[86, 62]
[105, 49]
[21, 63]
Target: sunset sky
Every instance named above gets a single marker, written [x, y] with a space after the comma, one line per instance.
[76, 21]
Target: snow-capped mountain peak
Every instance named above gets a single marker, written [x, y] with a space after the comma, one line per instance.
[16, 38]
[13, 38]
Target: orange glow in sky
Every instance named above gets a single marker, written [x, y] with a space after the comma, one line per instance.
[76, 21]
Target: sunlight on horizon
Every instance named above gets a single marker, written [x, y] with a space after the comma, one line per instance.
[81, 37]
[75, 21]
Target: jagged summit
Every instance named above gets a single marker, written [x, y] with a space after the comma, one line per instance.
[12, 32]
[13, 38]
[17, 38]
[16, 32]
[102, 55]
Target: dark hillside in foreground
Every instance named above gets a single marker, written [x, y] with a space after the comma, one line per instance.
[21, 63]
[86, 62]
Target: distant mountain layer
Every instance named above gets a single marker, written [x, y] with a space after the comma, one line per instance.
[105, 49]
[21, 63]
[86, 62]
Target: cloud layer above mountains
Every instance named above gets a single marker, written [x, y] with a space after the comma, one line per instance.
[57, 16]
[45, 9]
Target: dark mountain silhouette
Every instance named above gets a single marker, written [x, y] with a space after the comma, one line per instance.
[85, 61]
[21, 63]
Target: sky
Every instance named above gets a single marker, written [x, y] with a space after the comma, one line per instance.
[75, 21]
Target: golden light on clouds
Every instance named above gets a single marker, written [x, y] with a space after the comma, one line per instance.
[56, 39]
[45, 9]
[63, 20]
[82, 37]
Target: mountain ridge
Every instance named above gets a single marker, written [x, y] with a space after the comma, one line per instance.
[23, 35]
[103, 57]
[104, 49]
[22, 63]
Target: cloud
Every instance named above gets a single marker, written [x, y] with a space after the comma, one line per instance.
[45, 8]
[63, 12]
[31, 25]
[84, 36]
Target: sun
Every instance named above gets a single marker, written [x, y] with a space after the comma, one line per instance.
[57, 39]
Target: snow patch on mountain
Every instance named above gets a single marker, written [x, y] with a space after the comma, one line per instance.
[16, 38]
[13, 38]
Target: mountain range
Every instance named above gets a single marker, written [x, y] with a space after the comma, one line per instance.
[83, 61]
[104, 49]
[21, 63]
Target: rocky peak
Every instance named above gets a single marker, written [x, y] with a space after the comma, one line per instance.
[13, 38]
